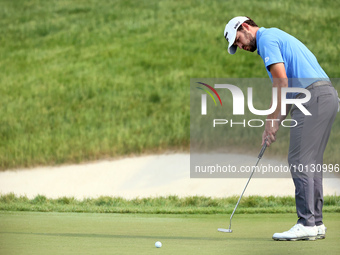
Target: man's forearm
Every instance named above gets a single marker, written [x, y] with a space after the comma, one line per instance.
[283, 117]
[278, 84]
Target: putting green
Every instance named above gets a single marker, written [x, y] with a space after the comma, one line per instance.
[79, 233]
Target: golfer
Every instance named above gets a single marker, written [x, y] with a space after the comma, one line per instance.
[290, 63]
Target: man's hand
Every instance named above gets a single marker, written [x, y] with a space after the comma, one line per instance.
[270, 131]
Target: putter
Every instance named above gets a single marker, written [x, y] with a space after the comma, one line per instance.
[252, 172]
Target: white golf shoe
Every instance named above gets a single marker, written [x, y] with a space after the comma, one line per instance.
[321, 231]
[298, 232]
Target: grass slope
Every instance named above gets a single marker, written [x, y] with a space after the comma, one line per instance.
[83, 80]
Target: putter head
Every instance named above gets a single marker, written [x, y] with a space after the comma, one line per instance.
[225, 230]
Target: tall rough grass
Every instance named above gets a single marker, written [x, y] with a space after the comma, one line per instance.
[169, 204]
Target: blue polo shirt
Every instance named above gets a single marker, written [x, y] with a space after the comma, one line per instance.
[302, 67]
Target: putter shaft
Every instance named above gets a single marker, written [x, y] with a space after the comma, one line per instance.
[252, 172]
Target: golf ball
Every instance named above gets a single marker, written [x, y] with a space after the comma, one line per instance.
[158, 244]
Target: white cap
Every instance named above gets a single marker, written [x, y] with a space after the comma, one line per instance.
[231, 30]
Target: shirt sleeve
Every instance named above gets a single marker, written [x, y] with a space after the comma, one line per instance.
[270, 51]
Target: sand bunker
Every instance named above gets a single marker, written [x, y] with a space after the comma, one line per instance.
[158, 175]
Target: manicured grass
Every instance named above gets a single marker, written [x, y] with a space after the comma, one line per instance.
[160, 205]
[76, 233]
[84, 80]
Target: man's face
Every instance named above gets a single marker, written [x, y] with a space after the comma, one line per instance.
[245, 41]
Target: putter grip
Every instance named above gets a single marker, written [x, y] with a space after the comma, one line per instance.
[263, 149]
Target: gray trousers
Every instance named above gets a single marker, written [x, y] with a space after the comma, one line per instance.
[308, 141]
